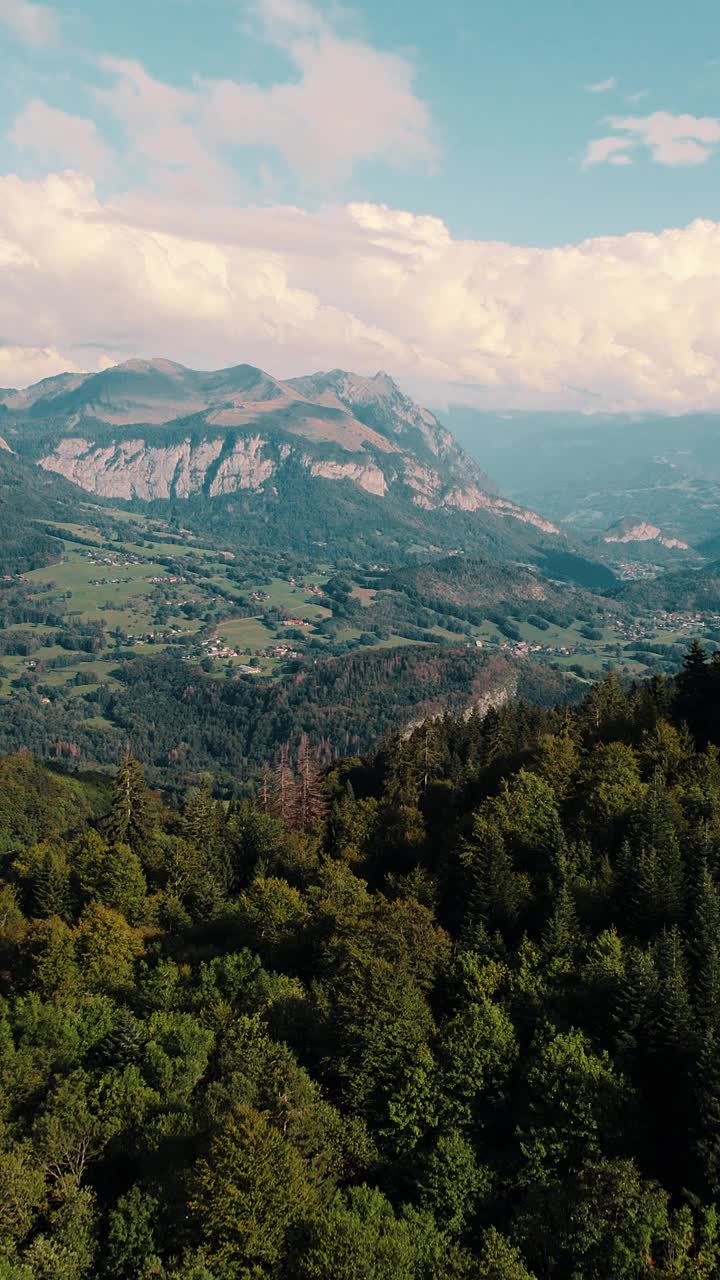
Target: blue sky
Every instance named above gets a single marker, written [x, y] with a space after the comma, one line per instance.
[504, 82]
[530, 124]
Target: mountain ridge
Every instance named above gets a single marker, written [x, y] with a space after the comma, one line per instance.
[156, 430]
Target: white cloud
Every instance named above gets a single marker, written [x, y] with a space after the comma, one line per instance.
[602, 86]
[634, 318]
[33, 24]
[671, 139]
[21, 366]
[165, 146]
[608, 150]
[343, 102]
[54, 135]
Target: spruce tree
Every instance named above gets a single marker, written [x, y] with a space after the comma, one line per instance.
[202, 818]
[693, 692]
[129, 821]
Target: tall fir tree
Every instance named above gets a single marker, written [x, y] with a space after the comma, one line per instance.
[130, 821]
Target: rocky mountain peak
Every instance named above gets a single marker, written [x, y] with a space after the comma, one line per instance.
[240, 428]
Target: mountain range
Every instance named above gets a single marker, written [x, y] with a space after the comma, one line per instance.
[153, 430]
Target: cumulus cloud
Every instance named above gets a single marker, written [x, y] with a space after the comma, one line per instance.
[33, 24]
[670, 139]
[21, 366]
[633, 319]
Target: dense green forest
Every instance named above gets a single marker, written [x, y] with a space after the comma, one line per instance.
[451, 1010]
[181, 720]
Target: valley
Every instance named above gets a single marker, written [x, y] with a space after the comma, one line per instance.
[188, 567]
[134, 604]
[637, 488]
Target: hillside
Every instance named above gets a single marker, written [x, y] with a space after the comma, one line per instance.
[181, 720]
[469, 586]
[30, 496]
[634, 530]
[448, 1011]
[694, 589]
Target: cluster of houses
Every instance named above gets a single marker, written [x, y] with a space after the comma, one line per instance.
[682, 620]
[523, 647]
[109, 558]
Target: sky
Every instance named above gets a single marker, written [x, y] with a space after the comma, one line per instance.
[499, 202]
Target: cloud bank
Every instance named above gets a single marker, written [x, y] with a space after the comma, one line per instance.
[633, 319]
[188, 259]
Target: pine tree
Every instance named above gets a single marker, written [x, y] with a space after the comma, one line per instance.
[672, 1032]
[265, 788]
[202, 817]
[672, 1046]
[705, 951]
[51, 882]
[561, 935]
[693, 689]
[634, 1010]
[204, 828]
[429, 753]
[605, 711]
[654, 875]
[499, 736]
[402, 774]
[493, 898]
[707, 1129]
[129, 821]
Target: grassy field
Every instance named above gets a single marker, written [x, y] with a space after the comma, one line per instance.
[246, 633]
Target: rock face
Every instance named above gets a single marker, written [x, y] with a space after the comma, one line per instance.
[642, 531]
[152, 429]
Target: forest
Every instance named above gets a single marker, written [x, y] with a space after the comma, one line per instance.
[182, 720]
[451, 1009]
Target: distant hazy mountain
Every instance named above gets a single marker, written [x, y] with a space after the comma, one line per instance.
[591, 472]
[154, 430]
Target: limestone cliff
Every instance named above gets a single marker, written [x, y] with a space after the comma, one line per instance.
[152, 429]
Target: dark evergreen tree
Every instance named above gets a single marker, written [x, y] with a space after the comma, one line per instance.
[130, 820]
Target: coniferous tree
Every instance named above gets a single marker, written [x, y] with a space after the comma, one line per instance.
[311, 801]
[202, 819]
[129, 821]
[693, 701]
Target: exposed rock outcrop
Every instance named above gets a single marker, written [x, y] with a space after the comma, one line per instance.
[236, 429]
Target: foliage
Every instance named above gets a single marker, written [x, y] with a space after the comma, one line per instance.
[449, 1010]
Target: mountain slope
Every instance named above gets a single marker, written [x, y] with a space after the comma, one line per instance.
[153, 430]
[29, 496]
[464, 584]
[695, 590]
